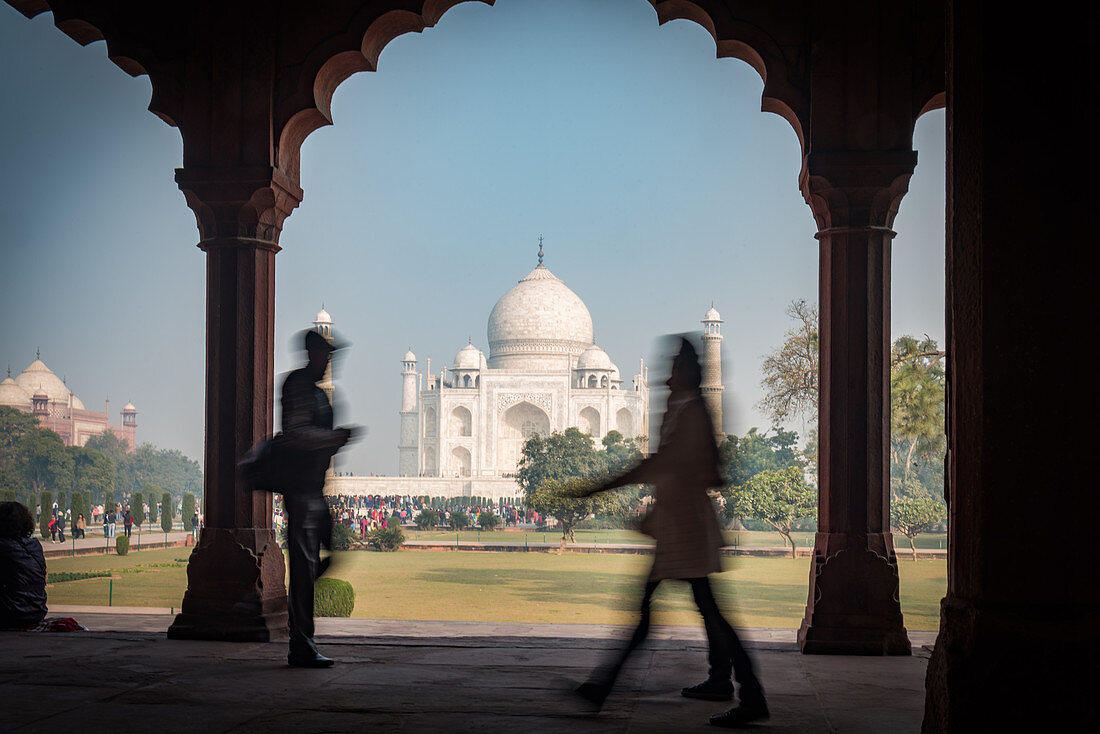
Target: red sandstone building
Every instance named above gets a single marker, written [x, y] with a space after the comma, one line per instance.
[39, 391]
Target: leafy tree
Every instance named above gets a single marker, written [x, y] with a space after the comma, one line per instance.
[743, 457]
[166, 514]
[14, 426]
[778, 497]
[46, 463]
[917, 408]
[554, 468]
[45, 512]
[912, 516]
[93, 471]
[791, 371]
[188, 510]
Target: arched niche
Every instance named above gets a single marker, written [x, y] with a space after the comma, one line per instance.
[431, 422]
[519, 423]
[460, 461]
[461, 422]
[624, 422]
[588, 421]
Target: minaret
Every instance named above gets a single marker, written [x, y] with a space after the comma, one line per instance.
[712, 369]
[410, 418]
[322, 324]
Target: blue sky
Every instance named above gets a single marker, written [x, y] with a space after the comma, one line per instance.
[644, 162]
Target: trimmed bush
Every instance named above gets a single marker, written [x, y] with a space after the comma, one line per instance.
[137, 508]
[166, 512]
[188, 510]
[343, 538]
[333, 598]
[45, 513]
[460, 520]
[427, 519]
[488, 521]
[151, 491]
[386, 539]
[122, 545]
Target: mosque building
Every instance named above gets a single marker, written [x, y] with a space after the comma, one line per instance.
[462, 429]
[37, 390]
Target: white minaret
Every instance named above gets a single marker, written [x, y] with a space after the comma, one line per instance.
[712, 368]
[322, 324]
[408, 440]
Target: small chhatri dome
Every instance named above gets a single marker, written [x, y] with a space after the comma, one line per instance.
[322, 316]
[468, 358]
[594, 358]
[712, 314]
[129, 407]
[12, 395]
[409, 356]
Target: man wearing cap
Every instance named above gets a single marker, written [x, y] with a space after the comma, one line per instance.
[309, 441]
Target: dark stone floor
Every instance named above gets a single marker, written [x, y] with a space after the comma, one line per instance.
[393, 676]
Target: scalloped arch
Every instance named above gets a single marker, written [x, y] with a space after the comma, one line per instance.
[334, 62]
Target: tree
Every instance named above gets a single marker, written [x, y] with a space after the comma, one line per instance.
[791, 371]
[137, 508]
[427, 519]
[93, 472]
[46, 463]
[778, 497]
[912, 516]
[460, 520]
[76, 507]
[743, 457]
[45, 512]
[188, 510]
[917, 409]
[166, 514]
[14, 425]
[554, 469]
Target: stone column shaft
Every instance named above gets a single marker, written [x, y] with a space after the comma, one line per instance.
[853, 605]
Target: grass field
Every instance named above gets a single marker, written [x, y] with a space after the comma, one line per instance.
[514, 587]
[747, 538]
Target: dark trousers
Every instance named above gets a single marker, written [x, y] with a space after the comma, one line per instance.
[309, 527]
[725, 653]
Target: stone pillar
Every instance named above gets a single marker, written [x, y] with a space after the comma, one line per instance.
[235, 577]
[1019, 632]
[853, 605]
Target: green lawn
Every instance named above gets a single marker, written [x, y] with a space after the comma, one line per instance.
[749, 538]
[516, 587]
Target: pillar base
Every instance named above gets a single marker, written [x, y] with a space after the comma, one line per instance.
[1013, 667]
[853, 607]
[235, 588]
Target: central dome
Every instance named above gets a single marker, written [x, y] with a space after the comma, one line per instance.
[538, 324]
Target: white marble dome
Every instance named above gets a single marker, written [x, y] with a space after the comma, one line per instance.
[13, 395]
[539, 323]
[322, 317]
[594, 358]
[468, 358]
[711, 314]
[39, 379]
[409, 357]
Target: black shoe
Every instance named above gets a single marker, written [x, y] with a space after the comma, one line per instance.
[740, 715]
[593, 691]
[710, 690]
[309, 660]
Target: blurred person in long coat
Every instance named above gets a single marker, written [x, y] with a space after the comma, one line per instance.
[309, 441]
[685, 526]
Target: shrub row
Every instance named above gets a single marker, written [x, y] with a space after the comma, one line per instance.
[58, 577]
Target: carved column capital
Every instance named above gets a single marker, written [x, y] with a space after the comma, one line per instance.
[245, 202]
[856, 189]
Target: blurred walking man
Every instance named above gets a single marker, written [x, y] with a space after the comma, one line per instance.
[310, 441]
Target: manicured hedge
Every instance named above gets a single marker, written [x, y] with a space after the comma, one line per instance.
[333, 598]
[122, 545]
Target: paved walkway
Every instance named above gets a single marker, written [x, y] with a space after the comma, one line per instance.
[98, 544]
[401, 676]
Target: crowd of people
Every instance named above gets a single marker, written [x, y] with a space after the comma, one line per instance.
[363, 513]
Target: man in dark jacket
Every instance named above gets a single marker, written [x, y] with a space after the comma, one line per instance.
[309, 441]
[22, 570]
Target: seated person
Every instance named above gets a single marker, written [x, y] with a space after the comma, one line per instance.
[22, 570]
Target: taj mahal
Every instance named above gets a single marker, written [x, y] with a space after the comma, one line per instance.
[462, 429]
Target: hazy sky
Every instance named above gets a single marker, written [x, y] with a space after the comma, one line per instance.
[643, 160]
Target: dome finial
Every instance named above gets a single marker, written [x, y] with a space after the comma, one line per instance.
[37, 353]
[540, 249]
